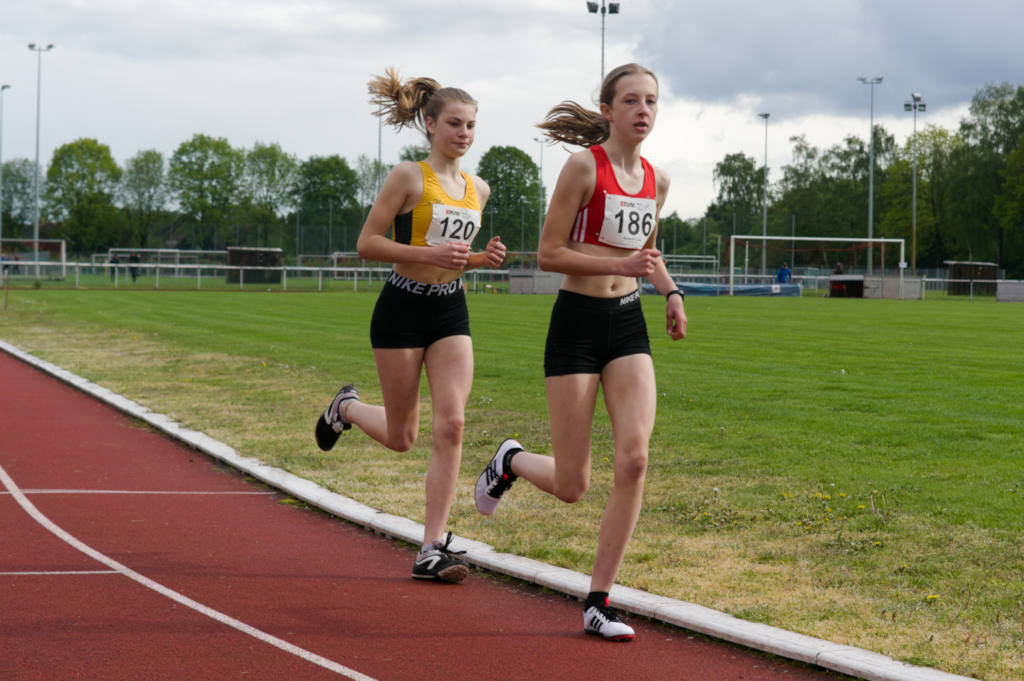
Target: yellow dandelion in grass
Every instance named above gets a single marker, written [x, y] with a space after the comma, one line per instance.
[842, 495]
[878, 543]
[861, 507]
[931, 598]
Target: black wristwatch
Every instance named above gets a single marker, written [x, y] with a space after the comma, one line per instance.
[675, 292]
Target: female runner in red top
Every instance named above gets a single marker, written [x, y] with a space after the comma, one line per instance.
[600, 232]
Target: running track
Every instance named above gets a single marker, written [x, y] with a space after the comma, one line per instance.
[126, 555]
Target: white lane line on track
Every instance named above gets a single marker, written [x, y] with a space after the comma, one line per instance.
[56, 573]
[38, 516]
[131, 491]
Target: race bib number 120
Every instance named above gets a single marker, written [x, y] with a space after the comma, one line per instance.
[452, 223]
[628, 221]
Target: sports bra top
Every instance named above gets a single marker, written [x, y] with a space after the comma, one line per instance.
[439, 218]
[614, 217]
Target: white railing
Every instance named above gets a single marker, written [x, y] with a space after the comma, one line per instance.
[216, 276]
[122, 272]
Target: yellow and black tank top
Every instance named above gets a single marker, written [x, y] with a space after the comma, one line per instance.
[439, 218]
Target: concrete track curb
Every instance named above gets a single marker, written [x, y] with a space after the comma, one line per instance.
[849, 660]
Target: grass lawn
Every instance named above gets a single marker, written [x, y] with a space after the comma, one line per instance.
[848, 469]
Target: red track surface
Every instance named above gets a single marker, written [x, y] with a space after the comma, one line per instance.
[344, 595]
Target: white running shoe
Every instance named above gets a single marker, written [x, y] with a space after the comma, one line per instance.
[603, 621]
[496, 478]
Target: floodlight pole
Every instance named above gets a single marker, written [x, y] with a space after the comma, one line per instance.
[38, 49]
[764, 198]
[611, 8]
[915, 104]
[3, 87]
[871, 165]
[540, 198]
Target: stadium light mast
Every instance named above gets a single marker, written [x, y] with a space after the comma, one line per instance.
[915, 104]
[3, 87]
[38, 49]
[540, 198]
[764, 197]
[612, 8]
[871, 165]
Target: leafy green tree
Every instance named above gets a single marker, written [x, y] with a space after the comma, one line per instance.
[19, 197]
[1010, 210]
[517, 197]
[265, 194]
[414, 152]
[326, 192]
[81, 184]
[990, 133]
[143, 194]
[204, 177]
[370, 175]
[738, 184]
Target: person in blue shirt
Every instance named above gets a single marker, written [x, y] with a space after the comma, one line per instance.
[784, 275]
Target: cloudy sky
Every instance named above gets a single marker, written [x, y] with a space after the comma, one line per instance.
[149, 75]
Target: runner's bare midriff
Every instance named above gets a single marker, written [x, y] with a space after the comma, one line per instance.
[601, 285]
[428, 274]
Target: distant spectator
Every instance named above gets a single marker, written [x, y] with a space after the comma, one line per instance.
[784, 275]
[838, 269]
[114, 262]
[133, 267]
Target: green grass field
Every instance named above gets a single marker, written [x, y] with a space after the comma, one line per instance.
[849, 469]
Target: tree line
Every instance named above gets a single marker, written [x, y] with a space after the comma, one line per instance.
[970, 189]
[209, 195]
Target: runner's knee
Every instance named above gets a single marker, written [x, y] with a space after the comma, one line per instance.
[403, 440]
[572, 490]
[448, 428]
[631, 467]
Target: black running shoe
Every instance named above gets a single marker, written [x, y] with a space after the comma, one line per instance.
[496, 478]
[440, 564]
[603, 621]
[330, 424]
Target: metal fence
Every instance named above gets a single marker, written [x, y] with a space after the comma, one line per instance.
[186, 276]
[182, 276]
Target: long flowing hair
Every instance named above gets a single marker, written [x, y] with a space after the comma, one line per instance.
[573, 124]
[410, 103]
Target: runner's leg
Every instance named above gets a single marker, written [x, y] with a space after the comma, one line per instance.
[631, 399]
[449, 365]
[571, 401]
[395, 424]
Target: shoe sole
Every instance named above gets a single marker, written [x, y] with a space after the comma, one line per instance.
[326, 437]
[615, 639]
[452, 574]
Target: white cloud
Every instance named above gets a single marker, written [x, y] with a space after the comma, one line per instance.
[142, 75]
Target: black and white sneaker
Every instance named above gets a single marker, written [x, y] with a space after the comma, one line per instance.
[331, 424]
[496, 478]
[440, 564]
[603, 621]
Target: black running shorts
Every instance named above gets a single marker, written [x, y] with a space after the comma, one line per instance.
[587, 333]
[414, 314]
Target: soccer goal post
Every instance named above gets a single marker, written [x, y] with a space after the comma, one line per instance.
[56, 251]
[751, 238]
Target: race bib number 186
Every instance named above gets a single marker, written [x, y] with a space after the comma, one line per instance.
[452, 223]
[628, 221]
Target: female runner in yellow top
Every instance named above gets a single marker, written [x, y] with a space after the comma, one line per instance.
[433, 210]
